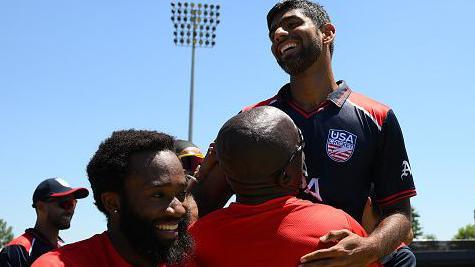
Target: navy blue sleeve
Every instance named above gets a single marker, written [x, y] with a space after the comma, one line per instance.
[393, 176]
[14, 256]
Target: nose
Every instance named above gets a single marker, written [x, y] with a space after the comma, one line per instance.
[280, 34]
[175, 209]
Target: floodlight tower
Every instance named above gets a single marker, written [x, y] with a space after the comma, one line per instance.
[195, 26]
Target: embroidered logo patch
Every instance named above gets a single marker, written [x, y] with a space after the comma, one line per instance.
[340, 145]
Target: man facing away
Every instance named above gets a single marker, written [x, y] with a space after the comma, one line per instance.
[54, 202]
[139, 184]
[261, 153]
[353, 142]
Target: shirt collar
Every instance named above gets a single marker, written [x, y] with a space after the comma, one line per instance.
[39, 235]
[337, 97]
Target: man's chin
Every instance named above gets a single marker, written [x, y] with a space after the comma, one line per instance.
[64, 226]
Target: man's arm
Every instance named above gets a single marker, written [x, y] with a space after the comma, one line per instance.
[354, 250]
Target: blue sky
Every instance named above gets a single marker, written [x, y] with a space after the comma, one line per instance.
[71, 72]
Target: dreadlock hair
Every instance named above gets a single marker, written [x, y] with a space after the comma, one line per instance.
[314, 11]
[110, 165]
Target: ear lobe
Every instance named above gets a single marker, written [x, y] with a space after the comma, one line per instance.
[328, 31]
[111, 202]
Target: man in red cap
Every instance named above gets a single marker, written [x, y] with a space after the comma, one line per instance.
[54, 202]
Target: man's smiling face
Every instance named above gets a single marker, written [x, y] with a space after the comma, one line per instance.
[153, 217]
[296, 41]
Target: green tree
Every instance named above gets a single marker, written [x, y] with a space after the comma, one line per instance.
[416, 226]
[467, 232]
[6, 234]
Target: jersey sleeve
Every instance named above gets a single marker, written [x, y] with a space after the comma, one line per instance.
[393, 180]
[14, 256]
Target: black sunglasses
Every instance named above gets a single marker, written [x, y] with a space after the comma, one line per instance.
[65, 204]
[298, 148]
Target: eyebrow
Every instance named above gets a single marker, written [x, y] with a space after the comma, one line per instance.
[163, 184]
[283, 20]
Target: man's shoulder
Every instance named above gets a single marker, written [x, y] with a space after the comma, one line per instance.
[75, 252]
[210, 220]
[266, 102]
[316, 209]
[373, 108]
[23, 240]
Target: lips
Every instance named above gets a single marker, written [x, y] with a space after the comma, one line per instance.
[167, 227]
[287, 47]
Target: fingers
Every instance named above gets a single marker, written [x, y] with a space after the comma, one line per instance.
[323, 257]
[335, 236]
[208, 163]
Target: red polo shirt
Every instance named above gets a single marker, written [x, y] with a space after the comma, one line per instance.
[275, 233]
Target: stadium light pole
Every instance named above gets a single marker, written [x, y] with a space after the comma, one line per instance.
[195, 26]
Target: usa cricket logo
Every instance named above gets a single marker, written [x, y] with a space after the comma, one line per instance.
[340, 145]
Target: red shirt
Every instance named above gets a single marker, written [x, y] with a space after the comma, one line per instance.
[275, 233]
[95, 251]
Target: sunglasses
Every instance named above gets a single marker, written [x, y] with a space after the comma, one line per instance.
[191, 161]
[65, 204]
[299, 147]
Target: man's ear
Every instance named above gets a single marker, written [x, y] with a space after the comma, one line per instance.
[285, 177]
[40, 207]
[111, 202]
[328, 31]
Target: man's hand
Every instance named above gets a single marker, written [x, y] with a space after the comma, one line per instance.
[209, 162]
[212, 190]
[350, 250]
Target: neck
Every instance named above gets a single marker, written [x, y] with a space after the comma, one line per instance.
[255, 198]
[124, 248]
[312, 86]
[48, 231]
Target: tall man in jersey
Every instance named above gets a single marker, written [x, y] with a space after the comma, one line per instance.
[139, 184]
[54, 202]
[353, 142]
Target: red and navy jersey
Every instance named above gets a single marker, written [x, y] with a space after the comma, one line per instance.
[25, 249]
[351, 144]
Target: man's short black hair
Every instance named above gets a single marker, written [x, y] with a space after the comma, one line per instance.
[314, 11]
[110, 165]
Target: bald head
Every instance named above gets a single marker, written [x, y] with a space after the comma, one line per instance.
[254, 147]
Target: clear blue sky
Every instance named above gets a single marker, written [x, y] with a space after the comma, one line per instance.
[71, 72]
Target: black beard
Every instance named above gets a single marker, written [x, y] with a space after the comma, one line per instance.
[303, 60]
[141, 235]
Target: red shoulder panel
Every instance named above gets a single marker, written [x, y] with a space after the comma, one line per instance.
[260, 104]
[23, 240]
[374, 109]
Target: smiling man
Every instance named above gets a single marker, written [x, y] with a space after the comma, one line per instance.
[54, 202]
[139, 184]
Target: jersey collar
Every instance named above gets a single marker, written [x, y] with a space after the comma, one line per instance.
[39, 235]
[337, 97]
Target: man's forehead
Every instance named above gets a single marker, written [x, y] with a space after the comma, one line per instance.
[157, 168]
[296, 12]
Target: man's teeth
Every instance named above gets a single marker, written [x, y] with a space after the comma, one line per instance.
[167, 227]
[287, 46]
